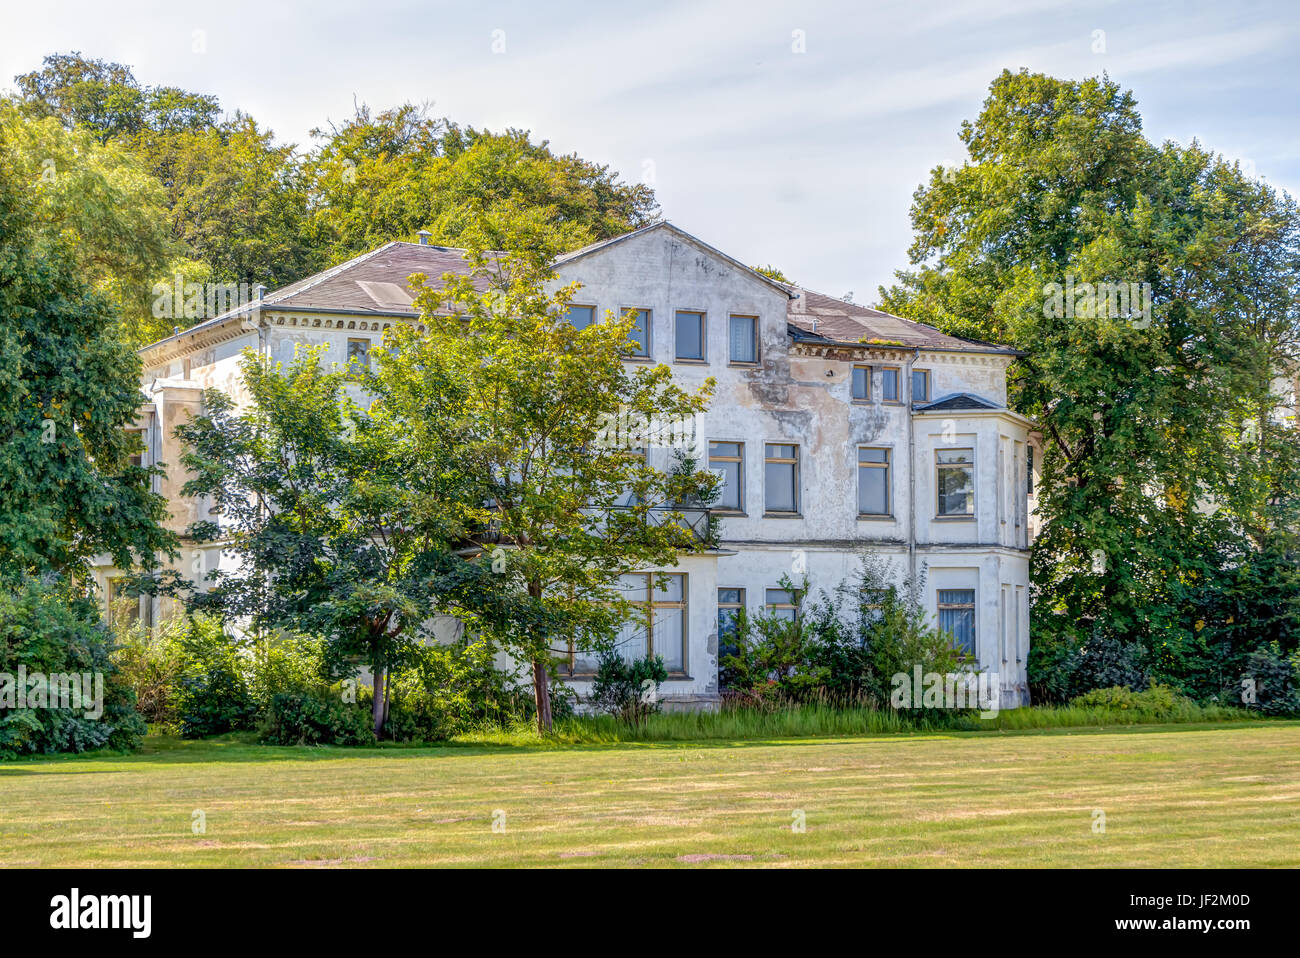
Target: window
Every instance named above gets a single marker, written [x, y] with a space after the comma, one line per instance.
[728, 460]
[920, 385]
[359, 352]
[640, 334]
[123, 609]
[1029, 470]
[861, 383]
[628, 498]
[580, 317]
[690, 337]
[137, 458]
[730, 602]
[781, 479]
[955, 481]
[873, 481]
[957, 617]
[658, 623]
[744, 339]
[871, 604]
[889, 383]
[783, 604]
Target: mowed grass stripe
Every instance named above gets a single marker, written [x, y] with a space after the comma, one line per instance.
[1222, 796]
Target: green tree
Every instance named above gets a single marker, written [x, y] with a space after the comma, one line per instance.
[385, 176]
[341, 527]
[68, 487]
[106, 100]
[565, 509]
[103, 204]
[1154, 482]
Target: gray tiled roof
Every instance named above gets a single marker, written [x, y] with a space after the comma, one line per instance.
[816, 316]
[957, 401]
[378, 282]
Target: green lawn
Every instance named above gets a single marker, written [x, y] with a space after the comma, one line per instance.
[1174, 796]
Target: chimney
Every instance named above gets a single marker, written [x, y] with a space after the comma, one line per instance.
[424, 237]
[260, 292]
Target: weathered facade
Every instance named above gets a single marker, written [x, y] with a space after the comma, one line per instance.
[840, 430]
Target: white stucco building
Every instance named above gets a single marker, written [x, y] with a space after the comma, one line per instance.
[838, 428]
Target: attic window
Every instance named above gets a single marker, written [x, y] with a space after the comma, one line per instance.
[580, 317]
[744, 339]
[640, 334]
[920, 385]
[690, 337]
[889, 383]
[861, 383]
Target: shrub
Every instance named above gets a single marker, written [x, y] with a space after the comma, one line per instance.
[152, 667]
[628, 690]
[446, 689]
[1061, 670]
[1274, 681]
[1159, 701]
[213, 696]
[844, 647]
[308, 718]
[49, 629]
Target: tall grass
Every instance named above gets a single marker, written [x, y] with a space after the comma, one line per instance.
[814, 720]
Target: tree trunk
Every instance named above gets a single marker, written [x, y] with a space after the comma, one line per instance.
[379, 709]
[542, 693]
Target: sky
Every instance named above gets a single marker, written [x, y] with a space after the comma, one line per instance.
[791, 134]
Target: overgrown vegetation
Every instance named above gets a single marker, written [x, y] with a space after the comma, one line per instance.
[845, 645]
[49, 631]
[1170, 489]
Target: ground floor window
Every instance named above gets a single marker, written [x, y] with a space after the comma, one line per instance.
[957, 617]
[783, 604]
[122, 609]
[658, 624]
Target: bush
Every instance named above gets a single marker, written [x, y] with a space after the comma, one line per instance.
[1159, 701]
[1274, 680]
[628, 690]
[213, 696]
[152, 667]
[306, 718]
[844, 648]
[1060, 670]
[447, 689]
[48, 629]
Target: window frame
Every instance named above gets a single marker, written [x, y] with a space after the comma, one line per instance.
[887, 466]
[952, 606]
[769, 459]
[757, 349]
[736, 606]
[898, 385]
[739, 459]
[648, 604]
[926, 374]
[703, 359]
[572, 306]
[646, 314]
[771, 607]
[351, 357]
[867, 373]
[938, 495]
[113, 586]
